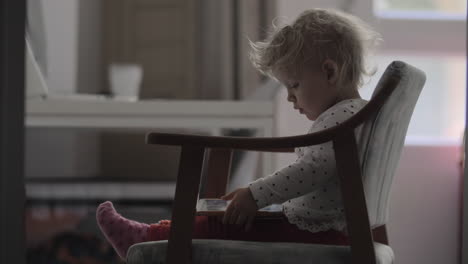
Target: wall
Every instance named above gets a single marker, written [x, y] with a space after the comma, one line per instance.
[60, 153]
[73, 45]
[61, 23]
[425, 206]
[66, 152]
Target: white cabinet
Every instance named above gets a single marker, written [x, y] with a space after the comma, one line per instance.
[150, 115]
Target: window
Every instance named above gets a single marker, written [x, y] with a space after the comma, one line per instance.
[439, 115]
[431, 35]
[442, 9]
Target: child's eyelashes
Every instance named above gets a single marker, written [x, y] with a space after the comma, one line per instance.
[294, 85]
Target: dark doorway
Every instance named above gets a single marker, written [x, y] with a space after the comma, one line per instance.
[12, 193]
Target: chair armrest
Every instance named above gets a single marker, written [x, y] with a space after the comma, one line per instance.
[272, 144]
[278, 144]
[279, 150]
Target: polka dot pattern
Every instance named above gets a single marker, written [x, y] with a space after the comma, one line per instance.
[309, 188]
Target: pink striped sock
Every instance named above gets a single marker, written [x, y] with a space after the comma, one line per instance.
[119, 231]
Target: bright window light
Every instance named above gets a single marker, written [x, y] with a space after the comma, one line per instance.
[439, 115]
[421, 9]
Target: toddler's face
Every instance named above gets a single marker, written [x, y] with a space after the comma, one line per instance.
[310, 91]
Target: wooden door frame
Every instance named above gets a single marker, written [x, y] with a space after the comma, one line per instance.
[12, 193]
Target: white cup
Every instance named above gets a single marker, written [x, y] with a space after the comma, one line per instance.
[125, 80]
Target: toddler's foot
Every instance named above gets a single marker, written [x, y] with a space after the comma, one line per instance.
[119, 231]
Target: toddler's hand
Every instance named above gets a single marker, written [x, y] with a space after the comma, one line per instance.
[242, 208]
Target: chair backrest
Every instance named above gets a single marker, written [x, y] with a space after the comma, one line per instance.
[382, 138]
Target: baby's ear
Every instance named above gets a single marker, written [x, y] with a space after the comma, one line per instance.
[330, 69]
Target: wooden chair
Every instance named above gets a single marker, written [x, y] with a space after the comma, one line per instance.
[365, 165]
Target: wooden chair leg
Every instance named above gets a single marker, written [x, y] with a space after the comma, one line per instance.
[179, 248]
[354, 200]
[216, 170]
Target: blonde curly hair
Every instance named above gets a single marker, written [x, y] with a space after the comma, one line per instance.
[316, 35]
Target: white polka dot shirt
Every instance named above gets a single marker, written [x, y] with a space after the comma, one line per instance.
[309, 187]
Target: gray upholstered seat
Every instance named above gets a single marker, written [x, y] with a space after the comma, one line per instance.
[383, 124]
[235, 252]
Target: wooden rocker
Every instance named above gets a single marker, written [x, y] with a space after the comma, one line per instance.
[365, 165]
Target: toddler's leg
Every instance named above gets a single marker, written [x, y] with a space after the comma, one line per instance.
[119, 231]
[122, 233]
[204, 228]
[265, 230]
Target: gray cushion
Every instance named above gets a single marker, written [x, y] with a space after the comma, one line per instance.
[383, 137]
[234, 252]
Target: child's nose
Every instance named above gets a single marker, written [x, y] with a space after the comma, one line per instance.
[291, 97]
